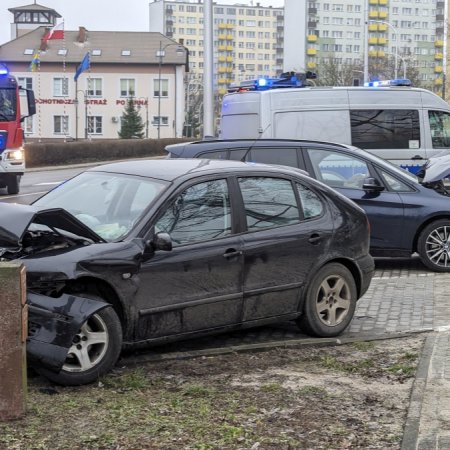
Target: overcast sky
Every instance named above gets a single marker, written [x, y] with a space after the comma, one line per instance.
[99, 15]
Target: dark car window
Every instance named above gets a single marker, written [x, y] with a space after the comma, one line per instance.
[236, 154]
[275, 155]
[213, 155]
[311, 203]
[268, 202]
[391, 128]
[394, 183]
[338, 169]
[200, 213]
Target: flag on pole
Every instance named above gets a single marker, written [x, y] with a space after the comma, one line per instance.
[57, 32]
[84, 65]
[35, 61]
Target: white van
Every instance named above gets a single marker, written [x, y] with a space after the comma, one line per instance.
[404, 125]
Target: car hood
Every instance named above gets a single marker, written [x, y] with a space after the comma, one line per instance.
[437, 167]
[15, 220]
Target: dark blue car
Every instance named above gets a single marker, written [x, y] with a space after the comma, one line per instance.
[406, 215]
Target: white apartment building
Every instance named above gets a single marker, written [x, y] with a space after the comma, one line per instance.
[122, 65]
[413, 31]
[248, 40]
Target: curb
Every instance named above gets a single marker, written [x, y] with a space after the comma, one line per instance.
[411, 431]
[135, 360]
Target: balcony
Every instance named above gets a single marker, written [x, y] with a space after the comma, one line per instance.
[373, 41]
[230, 59]
[221, 91]
[373, 14]
[279, 61]
[440, 5]
[373, 53]
[383, 2]
[311, 65]
[439, 31]
[438, 69]
[312, 10]
[230, 37]
[382, 41]
[230, 48]
[222, 26]
[440, 17]
[438, 56]
[373, 27]
[312, 38]
[229, 26]
[438, 43]
[222, 80]
[311, 51]
[438, 81]
[312, 24]
[382, 27]
[382, 15]
[222, 48]
[373, 2]
[221, 59]
[221, 70]
[222, 37]
[381, 54]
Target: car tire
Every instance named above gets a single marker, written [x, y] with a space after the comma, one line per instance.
[433, 245]
[12, 184]
[100, 352]
[330, 302]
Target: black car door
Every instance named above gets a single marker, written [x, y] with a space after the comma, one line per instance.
[346, 173]
[197, 285]
[282, 243]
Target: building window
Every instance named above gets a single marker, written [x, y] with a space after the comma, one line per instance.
[164, 88]
[94, 87]
[60, 125]
[28, 125]
[164, 121]
[95, 125]
[60, 87]
[25, 83]
[127, 87]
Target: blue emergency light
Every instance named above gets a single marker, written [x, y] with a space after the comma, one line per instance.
[384, 83]
[286, 80]
[3, 70]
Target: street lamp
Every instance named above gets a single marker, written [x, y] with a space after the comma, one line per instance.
[160, 54]
[85, 114]
[394, 31]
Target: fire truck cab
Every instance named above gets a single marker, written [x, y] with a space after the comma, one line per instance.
[12, 158]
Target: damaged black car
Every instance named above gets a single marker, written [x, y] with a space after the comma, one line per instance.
[141, 253]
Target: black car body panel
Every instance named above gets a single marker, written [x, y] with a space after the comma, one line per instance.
[53, 323]
[238, 278]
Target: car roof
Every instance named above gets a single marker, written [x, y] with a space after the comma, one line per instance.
[171, 169]
[187, 149]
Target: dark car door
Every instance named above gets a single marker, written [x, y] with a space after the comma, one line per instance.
[197, 285]
[346, 173]
[282, 243]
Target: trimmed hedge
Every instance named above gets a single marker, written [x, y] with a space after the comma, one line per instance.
[66, 153]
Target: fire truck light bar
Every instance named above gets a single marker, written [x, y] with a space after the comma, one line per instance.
[3, 70]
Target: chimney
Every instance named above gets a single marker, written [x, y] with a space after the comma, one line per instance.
[43, 46]
[82, 35]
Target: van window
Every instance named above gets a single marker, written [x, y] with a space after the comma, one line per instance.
[440, 129]
[382, 129]
[213, 155]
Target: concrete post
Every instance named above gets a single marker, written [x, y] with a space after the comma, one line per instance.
[13, 334]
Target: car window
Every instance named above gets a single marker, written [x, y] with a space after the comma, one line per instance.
[275, 155]
[213, 155]
[390, 128]
[236, 154]
[394, 183]
[268, 202]
[200, 213]
[311, 203]
[338, 169]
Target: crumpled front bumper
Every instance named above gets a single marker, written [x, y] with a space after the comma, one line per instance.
[52, 326]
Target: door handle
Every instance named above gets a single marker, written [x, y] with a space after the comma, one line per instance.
[231, 253]
[417, 157]
[315, 239]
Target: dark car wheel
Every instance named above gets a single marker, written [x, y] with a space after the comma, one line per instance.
[12, 184]
[330, 302]
[94, 351]
[434, 245]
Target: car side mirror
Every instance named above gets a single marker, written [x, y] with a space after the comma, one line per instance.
[372, 185]
[162, 241]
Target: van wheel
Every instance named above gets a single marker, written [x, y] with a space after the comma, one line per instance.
[12, 184]
[434, 245]
[330, 302]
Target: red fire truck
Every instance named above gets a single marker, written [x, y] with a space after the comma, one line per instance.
[12, 158]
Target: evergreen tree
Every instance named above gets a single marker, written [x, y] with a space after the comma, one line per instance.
[132, 125]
